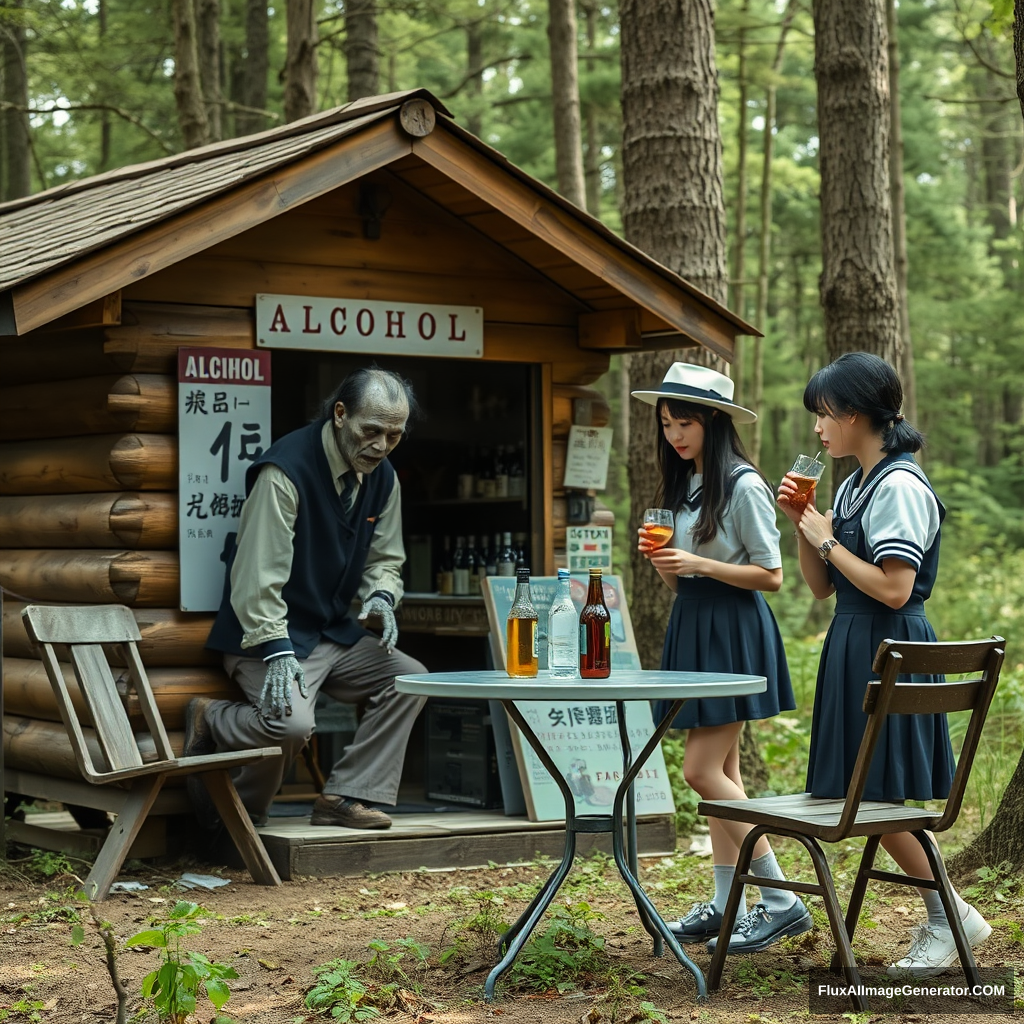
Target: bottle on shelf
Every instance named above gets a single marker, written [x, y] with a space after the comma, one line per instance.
[563, 632]
[466, 481]
[461, 574]
[482, 469]
[595, 632]
[506, 564]
[472, 563]
[483, 554]
[445, 569]
[500, 473]
[521, 631]
[516, 473]
[522, 553]
[492, 556]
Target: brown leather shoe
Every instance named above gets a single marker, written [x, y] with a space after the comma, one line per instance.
[347, 813]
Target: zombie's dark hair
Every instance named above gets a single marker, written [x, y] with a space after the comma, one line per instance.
[859, 382]
[352, 391]
[722, 452]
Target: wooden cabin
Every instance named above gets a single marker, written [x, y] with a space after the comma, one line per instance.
[386, 199]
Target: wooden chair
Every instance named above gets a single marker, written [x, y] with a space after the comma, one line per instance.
[812, 821]
[85, 630]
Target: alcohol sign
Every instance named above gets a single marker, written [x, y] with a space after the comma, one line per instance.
[223, 427]
[586, 460]
[369, 326]
[588, 547]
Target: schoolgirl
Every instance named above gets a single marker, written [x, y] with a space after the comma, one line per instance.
[724, 552]
[878, 552]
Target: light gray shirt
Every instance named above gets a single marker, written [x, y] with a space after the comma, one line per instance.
[263, 562]
[901, 518]
[748, 534]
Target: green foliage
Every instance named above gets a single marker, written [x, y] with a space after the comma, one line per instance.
[388, 958]
[477, 932]
[174, 986]
[49, 863]
[23, 1009]
[566, 952]
[340, 993]
[673, 747]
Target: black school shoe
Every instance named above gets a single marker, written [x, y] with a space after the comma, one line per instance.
[761, 927]
[702, 922]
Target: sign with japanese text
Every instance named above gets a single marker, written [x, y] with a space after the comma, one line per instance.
[588, 547]
[586, 460]
[369, 326]
[582, 736]
[223, 427]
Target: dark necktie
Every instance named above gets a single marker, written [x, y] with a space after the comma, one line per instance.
[348, 490]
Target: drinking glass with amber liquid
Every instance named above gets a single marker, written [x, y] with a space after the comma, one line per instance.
[806, 473]
[659, 525]
[521, 631]
[595, 632]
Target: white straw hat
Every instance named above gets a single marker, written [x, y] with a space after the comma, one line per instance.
[698, 385]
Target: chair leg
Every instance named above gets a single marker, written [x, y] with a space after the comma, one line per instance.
[835, 919]
[731, 907]
[963, 947]
[236, 818]
[860, 885]
[122, 834]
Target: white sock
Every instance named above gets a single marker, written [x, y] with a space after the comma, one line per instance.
[933, 904]
[723, 882]
[768, 867]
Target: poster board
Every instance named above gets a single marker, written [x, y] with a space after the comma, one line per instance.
[581, 736]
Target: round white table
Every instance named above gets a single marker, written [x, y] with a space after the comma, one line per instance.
[620, 686]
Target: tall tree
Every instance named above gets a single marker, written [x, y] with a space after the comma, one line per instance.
[592, 145]
[475, 71]
[208, 33]
[188, 91]
[15, 173]
[362, 52]
[1018, 48]
[858, 282]
[673, 208]
[565, 93]
[252, 96]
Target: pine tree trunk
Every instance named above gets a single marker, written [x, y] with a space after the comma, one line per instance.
[101, 11]
[188, 92]
[300, 69]
[255, 67]
[15, 172]
[592, 148]
[565, 94]
[475, 70]
[208, 26]
[858, 283]
[1018, 48]
[739, 266]
[899, 215]
[362, 56]
[1002, 840]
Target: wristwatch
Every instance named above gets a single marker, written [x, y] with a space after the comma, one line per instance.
[825, 547]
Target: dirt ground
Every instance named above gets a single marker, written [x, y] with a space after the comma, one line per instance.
[275, 938]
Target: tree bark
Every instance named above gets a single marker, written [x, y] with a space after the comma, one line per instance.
[592, 149]
[1018, 49]
[105, 139]
[188, 92]
[362, 56]
[255, 67]
[15, 172]
[899, 215]
[565, 93]
[1002, 839]
[858, 283]
[475, 70]
[739, 271]
[300, 69]
[208, 27]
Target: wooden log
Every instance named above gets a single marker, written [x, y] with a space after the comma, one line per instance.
[146, 402]
[37, 357]
[32, 745]
[145, 579]
[107, 462]
[169, 637]
[132, 520]
[559, 450]
[28, 692]
[564, 410]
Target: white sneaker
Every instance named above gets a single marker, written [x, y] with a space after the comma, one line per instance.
[934, 949]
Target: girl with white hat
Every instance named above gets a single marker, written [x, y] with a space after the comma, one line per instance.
[724, 552]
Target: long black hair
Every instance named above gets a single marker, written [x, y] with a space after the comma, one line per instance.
[723, 451]
[859, 382]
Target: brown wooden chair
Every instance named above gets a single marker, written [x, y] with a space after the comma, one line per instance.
[812, 821]
[84, 631]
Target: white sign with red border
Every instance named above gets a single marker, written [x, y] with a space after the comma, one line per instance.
[369, 326]
[223, 427]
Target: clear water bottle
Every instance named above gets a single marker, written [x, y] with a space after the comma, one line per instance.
[563, 632]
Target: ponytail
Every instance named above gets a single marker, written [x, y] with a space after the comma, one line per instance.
[899, 436]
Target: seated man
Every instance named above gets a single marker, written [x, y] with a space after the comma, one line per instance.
[321, 525]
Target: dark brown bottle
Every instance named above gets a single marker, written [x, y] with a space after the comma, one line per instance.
[595, 632]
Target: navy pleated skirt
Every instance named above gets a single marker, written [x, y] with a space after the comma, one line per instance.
[715, 627]
[913, 759]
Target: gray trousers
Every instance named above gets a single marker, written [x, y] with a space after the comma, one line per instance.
[371, 767]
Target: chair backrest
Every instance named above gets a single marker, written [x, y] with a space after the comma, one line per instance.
[85, 630]
[981, 659]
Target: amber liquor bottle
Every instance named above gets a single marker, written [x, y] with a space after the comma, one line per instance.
[521, 631]
[595, 632]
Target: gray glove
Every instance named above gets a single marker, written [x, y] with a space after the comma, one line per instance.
[380, 606]
[276, 695]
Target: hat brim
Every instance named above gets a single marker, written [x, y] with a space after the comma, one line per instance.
[737, 412]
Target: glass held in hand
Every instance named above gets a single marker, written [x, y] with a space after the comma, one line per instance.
[806, 473]
[659, 525]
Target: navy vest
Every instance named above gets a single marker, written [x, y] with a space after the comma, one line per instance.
[329, 549]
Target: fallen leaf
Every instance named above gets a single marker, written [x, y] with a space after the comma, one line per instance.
[902, 911]
[269, 965]
[694, 1014]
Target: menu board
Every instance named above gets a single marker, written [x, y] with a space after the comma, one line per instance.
[581, 736]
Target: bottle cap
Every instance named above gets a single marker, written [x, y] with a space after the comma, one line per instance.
[595, 572]
[523, 575]
[563, 574]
